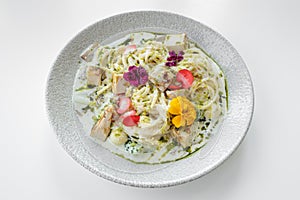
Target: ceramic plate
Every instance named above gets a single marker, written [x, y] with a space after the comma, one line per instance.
[107, 165]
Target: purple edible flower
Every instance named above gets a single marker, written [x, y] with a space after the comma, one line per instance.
[170, 59]
[171, 64]
[180, 56]
[174, 58]
[172, 55]
[136, 76]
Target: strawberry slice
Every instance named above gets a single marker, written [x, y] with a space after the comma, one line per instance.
[132, 120]
[130, 48]
[124, 104]
[185, 77]
[128, 113]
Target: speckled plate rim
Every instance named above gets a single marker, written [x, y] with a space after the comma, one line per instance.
[57, 112]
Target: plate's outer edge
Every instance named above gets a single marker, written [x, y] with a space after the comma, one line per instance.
[235, 126]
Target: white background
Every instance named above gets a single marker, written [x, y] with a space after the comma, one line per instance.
[34, 166]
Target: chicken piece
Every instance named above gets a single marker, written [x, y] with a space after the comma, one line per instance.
[183, 136]
[94, 75]
[119, 84]
[101, 129]
[176, 42]
[175, 93]
[162, 77]
[87, 55]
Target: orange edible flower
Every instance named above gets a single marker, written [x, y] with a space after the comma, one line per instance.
[184, 110]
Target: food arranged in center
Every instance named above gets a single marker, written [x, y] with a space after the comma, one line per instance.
[150, 97]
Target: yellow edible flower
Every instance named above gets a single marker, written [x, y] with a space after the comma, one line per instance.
[184, 110]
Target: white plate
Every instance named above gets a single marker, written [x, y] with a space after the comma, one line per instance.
[107, 165]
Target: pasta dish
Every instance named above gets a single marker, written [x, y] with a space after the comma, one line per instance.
[150, 97]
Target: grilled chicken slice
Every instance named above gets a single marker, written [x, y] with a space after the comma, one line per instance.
[88, 54]
[176, 42]
[101, 129]
[119, 84]
[183, 136]
[94, 75]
